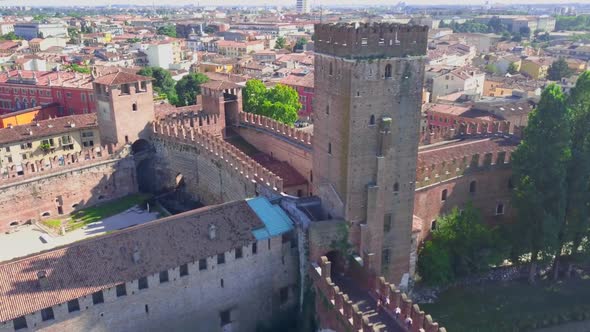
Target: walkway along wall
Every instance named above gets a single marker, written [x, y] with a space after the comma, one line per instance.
[58, 185]
[209, 169]
[337, 312]
[279, 141]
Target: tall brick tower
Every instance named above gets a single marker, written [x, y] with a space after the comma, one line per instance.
[368, 81]
[124, 107]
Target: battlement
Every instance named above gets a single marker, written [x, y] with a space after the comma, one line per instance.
[465, 129]
[233, 157]
[440, 164]
[58, 163]
[291, 134]
[377, 40]
[212, 123]
[341, 304]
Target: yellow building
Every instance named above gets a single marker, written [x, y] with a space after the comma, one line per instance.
[41, 141]
[535, 67]
[212, 67]
[20, 118]
[492, 88]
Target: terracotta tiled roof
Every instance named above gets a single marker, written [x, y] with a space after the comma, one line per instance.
[220, 85]
[299, 80]
[47, 128]
[120, 77]
[84, 267]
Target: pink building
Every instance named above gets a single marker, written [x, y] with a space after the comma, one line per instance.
[303, 84]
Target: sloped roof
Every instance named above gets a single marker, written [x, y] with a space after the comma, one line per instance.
[87, 266]
[47, 128]
[120, 77]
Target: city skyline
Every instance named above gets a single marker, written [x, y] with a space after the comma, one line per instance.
[314, 3]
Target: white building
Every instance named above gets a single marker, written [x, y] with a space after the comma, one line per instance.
[160, 55]
[32, 30]
[303, 6]
[469, 81]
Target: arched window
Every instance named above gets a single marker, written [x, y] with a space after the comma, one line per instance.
[472, 186]
[388, 71]
[372, 120]
[443, 195]
[331, 69]
[33, 102]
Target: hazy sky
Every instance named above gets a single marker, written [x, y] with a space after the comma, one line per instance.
[267, 2]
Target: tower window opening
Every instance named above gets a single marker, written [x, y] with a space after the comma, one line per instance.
[372, 120]
[388, 71]
[443, 195]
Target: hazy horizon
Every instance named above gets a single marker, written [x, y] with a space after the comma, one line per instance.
[289, 3]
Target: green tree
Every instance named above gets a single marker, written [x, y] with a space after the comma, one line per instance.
[188, 88]
[163, 82]
[460, 245]
[10, 36]
[539, 169]
[300, 44]
[491, 68]
[577, 222]
[525, 32]
[280, 103]
[167, 30]
[558, 70]
[512, 68]
[280, 43]
[253, 96]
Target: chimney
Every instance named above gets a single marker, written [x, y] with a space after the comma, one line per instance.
[212, 230]
[42, 277]
[10, 126]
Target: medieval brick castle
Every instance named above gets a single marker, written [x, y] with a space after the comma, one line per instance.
[367, 179]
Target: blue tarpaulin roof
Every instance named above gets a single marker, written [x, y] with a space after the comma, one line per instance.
[276, 221]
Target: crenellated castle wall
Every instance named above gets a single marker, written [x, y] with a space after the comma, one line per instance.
[370, 40]
[57, 186]
[213, 170]
[337, 311]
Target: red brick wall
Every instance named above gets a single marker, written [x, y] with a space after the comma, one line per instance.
[491, 188]
[73, 189]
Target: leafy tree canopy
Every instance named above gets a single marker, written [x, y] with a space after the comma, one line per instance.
[189, 87]
[167, 30]
[163, 82]
[558, 70]
[280, 103]
[280, 43]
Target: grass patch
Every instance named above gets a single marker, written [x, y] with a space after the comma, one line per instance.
[105, 210]
[512, 306]
[52, 223]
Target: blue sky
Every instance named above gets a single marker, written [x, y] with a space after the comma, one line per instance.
[268, 2]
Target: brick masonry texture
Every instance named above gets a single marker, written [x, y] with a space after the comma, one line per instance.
[36, 198]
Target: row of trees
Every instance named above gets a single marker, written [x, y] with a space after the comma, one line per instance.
[573, 23]
[493, 26]
[280, 102]
[181, 93]
[551, 173]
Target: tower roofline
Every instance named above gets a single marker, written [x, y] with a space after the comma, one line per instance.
[365, 41]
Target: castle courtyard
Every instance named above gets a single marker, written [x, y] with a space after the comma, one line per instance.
[27, 239]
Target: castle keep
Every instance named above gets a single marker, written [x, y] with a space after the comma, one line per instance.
[366, 131]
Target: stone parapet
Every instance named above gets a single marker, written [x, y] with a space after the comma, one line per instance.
[291, 134]
[321, 274]
[468, 129]
[231, 156]
[54, 163]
